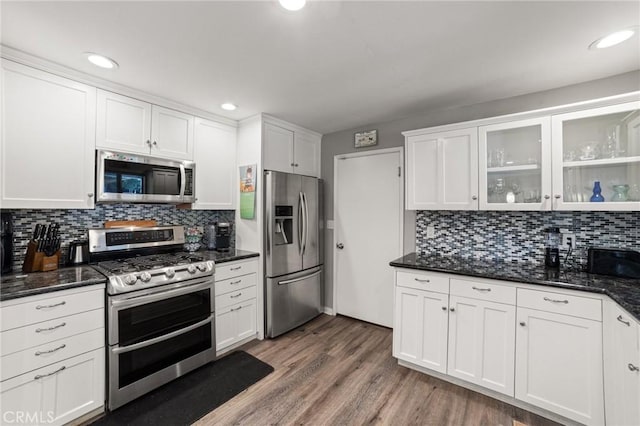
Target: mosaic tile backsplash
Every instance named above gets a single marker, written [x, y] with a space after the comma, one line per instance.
[519, 236]
[74, 223]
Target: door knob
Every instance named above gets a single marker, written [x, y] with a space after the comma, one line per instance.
[522, 323]
[340, 246]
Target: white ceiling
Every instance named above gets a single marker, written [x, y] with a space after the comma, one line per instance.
[334, 65]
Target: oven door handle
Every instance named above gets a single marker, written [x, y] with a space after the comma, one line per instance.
[154, 297]
[123, 349]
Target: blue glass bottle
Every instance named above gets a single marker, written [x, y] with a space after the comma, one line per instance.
[597, 193]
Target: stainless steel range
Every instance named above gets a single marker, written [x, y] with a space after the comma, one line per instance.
[160, 308]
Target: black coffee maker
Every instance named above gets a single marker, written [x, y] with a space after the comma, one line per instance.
[223, 236]
[6, 244]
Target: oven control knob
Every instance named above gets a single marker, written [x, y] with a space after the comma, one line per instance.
[170, 272]
[145, 277]
[130, 279]
[191, 269]
[202, 267]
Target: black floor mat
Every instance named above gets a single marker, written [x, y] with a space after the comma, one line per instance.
[191, 397]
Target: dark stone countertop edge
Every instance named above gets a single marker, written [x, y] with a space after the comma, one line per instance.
[241, 256]
[633, 309]
[50, 289]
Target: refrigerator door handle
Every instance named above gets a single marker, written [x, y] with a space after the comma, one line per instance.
[300, 222]
[306, 223]
[295, 280]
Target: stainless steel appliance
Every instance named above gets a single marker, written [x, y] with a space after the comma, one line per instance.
[160, 308]
[615, 262]
[6, 242]
[78, 252]
[293, 251]
[139, 178]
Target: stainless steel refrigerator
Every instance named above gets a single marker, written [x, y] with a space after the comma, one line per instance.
[293, 250]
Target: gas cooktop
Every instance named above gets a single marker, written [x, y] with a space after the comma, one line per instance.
[150, 262]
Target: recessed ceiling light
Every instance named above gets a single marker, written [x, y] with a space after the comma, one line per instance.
[612, 39]
[101, 61]
[292, 5]
[228, 106]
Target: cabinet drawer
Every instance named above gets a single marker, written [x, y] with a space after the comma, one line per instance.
[577, 306]
[423, 281]
[38, 334]
[47, 308]
[483, 291]
[234, 297]
[229, 270]
[235, 283]
[40, 356]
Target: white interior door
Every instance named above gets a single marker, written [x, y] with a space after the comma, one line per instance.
[368, 218]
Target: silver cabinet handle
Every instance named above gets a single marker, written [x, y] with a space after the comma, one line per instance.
[556, 301]
[235, 282]
[633, 367]
[51, 306]
[235, 309]
[481, 289]
[627, 323]
[237, 268]
[236, 295]
[475, 197]
[340, 246]
[51, 350]
[40, 376]
[40, 330]
[90, 195]
[546, 197]
[422, 281]
[522, 323]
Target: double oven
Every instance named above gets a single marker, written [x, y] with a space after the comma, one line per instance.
[160, 311]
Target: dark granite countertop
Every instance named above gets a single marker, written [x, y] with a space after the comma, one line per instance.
[230, 256]
[625, 291]
[13, 286]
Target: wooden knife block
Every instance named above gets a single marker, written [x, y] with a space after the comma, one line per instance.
[36, 261]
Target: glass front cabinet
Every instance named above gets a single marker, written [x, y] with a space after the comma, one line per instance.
[515, 165]
[596, 158]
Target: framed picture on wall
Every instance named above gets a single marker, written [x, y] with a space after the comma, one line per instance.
[368, 138]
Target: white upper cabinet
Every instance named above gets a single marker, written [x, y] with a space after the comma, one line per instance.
[442, 170]
[48, 140]
[216, 172]
[597, 145]
[515, 165]
[130, 125]
[291, 150]
[171, 133]
[278, 149]
[123, 123]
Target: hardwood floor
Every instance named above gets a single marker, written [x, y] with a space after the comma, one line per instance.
[339, 371]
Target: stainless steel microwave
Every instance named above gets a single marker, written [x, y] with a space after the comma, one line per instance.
[135, 178]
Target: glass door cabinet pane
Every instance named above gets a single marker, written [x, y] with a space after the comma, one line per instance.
[597, 159]
[515, 172]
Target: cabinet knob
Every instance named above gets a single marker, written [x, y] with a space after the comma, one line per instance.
[444, 308]
[195, 199]
[90, 194]
[340, 246]
[475, 197]
[633, 367]
[557, 196]
[293, 164]
[522, 323]
[546, 197]
[155, 143]
[452, 309]
[148, 142]
[297, 164]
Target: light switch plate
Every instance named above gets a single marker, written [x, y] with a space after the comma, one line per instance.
[431, 231]
[329, 224]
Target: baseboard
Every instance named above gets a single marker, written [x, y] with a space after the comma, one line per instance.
[328, 311]
[235, 346]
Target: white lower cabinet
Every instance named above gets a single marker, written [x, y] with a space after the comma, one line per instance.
[420, 328]
[236, 303]
[481, 343]
[559, 364]
[56, 394]
[621, 366]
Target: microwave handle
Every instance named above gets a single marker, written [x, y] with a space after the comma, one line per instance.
[183, 180]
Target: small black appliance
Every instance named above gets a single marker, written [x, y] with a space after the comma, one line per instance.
[552, 247]
[6, 244]
[223, 236]
[615, 262]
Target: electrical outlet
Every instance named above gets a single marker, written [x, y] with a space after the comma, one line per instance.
[569, 239]
[431, 231]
